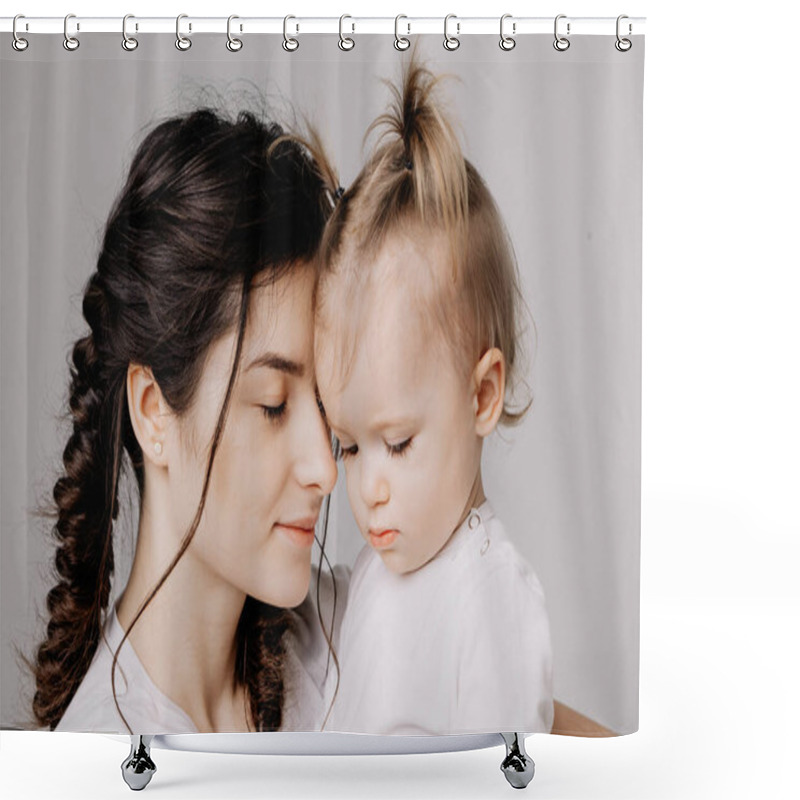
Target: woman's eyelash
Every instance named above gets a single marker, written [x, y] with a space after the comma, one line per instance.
[274, 412]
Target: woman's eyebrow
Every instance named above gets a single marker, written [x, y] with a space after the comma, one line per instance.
[275, 361]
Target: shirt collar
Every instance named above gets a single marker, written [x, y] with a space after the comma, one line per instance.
[467, 530]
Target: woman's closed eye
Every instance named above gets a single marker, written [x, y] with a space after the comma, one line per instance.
[275, 413]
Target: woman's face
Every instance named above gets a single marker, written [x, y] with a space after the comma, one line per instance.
[273, 464]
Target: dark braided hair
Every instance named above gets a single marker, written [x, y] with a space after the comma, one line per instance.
[209, 204]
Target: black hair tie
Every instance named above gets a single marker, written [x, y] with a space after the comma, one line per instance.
[338, 193]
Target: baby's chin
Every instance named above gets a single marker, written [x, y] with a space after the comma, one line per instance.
[396, 563]
[393, 557]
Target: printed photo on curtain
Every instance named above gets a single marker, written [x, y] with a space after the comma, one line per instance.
[321, 386]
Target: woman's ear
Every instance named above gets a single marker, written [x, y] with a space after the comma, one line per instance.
[489, 383]
[149, 413]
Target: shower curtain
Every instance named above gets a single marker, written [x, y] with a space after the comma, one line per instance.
[511, 604]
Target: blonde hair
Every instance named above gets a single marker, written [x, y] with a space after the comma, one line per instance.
[417, 180]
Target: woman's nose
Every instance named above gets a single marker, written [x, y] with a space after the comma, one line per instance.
[315, 463]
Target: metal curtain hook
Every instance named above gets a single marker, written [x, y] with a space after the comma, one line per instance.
[561, 43]
[18, 43]
[233, 44]
[451, 42]
[623, 44]
[181, 41]
[345, 42]
[128, 42]
[507, 42]
[70, 42]
[400, 42]
[290, 44]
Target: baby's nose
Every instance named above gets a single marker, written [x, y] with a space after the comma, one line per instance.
[374, 488]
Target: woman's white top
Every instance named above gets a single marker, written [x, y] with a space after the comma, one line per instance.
[308, 662]
[148, 710]
[461, 645]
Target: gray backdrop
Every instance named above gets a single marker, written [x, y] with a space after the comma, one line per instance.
[558, 139]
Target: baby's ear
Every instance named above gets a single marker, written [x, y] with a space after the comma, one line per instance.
[489, 385]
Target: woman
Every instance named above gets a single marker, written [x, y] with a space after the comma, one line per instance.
[198, 366]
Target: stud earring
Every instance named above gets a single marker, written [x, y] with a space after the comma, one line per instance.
[158, 448]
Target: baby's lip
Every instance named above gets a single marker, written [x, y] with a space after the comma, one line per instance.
[382, 538]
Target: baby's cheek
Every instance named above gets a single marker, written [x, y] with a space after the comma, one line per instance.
[353, 494]
[424, 480]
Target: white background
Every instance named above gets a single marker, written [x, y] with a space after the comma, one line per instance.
[720, 614]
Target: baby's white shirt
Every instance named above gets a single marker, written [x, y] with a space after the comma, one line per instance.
[148, 710]
[461, 645]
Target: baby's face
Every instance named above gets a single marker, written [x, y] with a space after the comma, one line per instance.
[406, 424]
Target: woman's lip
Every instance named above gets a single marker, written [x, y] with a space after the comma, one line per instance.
[301, 536]
[303, 522]
[381, 539]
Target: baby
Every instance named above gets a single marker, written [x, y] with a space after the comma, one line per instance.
[445, 630]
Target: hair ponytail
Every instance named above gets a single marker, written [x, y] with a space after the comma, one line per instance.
[417, 163]
[418, 183]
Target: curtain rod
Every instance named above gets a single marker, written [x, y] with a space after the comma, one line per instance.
[457, 26]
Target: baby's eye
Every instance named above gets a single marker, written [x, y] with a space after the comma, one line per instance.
[399, 449]
[347, 452]
[274, 412]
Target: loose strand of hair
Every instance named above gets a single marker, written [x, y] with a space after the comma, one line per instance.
[328, 634]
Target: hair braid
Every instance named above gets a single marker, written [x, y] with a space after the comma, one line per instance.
[84, 494]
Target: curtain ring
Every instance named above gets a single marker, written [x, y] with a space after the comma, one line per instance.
[18, 43]
[290, 44]
[70, 42]
[233, 44]
[345, 42]
[451, 42]
[561, 43]
[128, 42]
[623, 44]
[181, 41]
[400, 42]
[507, 42]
